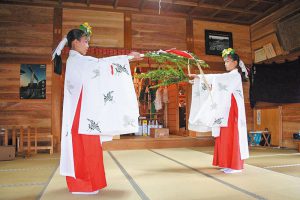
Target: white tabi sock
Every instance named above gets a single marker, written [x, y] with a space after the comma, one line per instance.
[232, 171]
[223, 169]
[86, 193]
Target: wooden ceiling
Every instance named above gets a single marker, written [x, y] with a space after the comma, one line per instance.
[233, 11]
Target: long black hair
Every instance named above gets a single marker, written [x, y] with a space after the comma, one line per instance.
[74, 34]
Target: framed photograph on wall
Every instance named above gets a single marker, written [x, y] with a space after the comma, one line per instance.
[33, 81]
[216, 41]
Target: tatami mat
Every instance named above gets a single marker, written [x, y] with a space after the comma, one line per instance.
[179, 174]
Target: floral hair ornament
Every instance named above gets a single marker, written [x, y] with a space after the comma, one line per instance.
[227, 52]
[86, 28]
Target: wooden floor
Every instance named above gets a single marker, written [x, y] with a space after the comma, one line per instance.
[146, 142]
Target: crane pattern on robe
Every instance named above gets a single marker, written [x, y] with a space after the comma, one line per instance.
[128, 121]
[70, 87]
[218, 121]
[222, 87]
[93, 126]
[120, 69]
[203, 86]
[239, 92]
[96, 73]
[108, 97]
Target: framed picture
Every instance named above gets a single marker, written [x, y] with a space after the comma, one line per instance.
[216, 41]
[33, 81]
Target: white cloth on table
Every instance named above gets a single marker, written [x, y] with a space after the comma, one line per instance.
[158, 99]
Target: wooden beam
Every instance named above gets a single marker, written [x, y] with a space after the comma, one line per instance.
[191, 11]
[189, 34]
[116, 4]
[57, 80]
[206, 5]
[272, 9]
[127, 31]
[57, 26]
[170, 5]
[224, 6]
[252, 5]
[110, 8]
[142, 3]
[36, 2]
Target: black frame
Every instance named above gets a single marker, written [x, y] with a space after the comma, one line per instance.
[216, 41]
[33, 81]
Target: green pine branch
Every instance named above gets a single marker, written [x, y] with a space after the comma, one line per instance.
[169, 74]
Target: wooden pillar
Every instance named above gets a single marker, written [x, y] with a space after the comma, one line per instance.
[14, 136]
[57, 82]
[189, 34]
[5, 136]
[35, 140]
[190, 48]
[28, 141]
[127, 31]
[20, 149]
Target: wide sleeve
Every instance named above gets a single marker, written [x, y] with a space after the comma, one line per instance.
[109, 103]
[211, 101]
[225, 81]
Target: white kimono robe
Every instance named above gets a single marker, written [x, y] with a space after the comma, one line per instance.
[210, 110]
[109, 105]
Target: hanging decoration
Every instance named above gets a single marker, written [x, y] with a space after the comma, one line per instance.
[167, 74]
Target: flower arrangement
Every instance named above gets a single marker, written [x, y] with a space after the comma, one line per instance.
[167, 74]
[86, 28]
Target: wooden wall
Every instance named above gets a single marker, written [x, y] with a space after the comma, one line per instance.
[22, 112]
[270, 118]
[290, 123]
[173, 112]
[25, 30]
[26, 34]
[158, 32]
[108, 27]
[240, 36]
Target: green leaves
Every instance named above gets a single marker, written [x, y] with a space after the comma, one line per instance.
[171, 68]
[166, 76]
[169, 58]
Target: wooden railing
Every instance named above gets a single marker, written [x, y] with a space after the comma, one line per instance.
[27, 140]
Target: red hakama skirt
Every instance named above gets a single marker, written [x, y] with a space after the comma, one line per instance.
[227, 148]
[88, 159]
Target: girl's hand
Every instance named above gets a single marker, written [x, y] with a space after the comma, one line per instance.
[135, 56]
[193, 76]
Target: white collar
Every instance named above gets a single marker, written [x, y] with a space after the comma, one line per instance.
[74, 53]
[234, 70]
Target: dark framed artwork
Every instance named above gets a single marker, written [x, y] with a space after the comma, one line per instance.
[33, 81]
[216, 41]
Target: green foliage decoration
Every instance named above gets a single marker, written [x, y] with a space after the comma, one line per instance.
[170, 69]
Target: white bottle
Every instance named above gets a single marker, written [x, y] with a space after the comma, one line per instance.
[156, 124]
